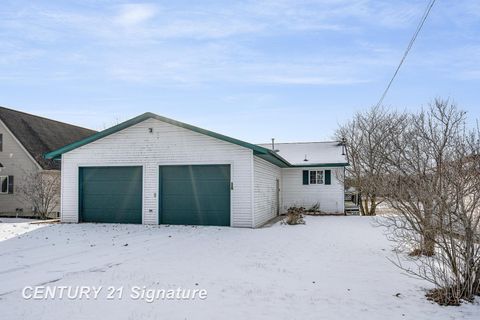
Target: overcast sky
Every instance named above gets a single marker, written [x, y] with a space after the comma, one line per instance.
[248, 69]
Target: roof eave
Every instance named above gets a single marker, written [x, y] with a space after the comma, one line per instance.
[274, 158]
[262, 152]
[57, 153]
[321, 165]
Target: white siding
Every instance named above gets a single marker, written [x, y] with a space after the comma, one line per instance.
[329, 197]
[167, 145]
[265, 194]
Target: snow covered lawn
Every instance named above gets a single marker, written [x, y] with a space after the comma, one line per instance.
[12, 227]
[330, 268]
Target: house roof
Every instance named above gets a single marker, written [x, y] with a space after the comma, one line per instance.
[328, 153]
[40, 135]
[258, 150]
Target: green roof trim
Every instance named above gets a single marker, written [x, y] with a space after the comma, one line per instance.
[274, 158]
[321, 165]
[148, 115]
[264, 153]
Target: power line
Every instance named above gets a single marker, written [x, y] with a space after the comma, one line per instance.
[410, 44]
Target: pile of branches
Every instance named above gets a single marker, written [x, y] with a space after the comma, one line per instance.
[295, 216]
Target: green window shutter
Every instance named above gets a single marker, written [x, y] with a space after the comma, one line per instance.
[328, 176]
[10, 184]
[305, 176]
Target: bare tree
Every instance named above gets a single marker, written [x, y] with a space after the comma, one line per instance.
[415, 158]
[42, 190]
[433, 172]
[366, 138]
[457, 258]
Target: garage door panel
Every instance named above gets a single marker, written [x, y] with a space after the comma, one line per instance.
[218, 203]
[113, 201]
[197, 194]
[111, 194]
[204, 172]
[199, 218]
[200, 187]
[109, 173]
[117, 216]
[188, 219]
[105, 189]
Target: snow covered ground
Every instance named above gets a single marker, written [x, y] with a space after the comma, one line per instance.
[12, 227]
[330, 268]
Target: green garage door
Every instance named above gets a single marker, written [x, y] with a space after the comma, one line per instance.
[111, 194]
[195, 195]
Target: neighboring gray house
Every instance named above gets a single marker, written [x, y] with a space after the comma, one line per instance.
[24, 138]
[155, 170]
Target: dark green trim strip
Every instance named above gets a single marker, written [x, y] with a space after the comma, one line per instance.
[57, 153]
[320, 165]
[259, 151]
[274, 158]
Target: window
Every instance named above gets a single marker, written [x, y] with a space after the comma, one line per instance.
[3, 184]
[6, 184]
[316, 177]
[1, 142]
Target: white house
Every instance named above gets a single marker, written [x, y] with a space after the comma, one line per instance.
[155, 170]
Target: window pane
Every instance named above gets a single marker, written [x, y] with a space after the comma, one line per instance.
[320, 177]
[313, 177]
[4, 184]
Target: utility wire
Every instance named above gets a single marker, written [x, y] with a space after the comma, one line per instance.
[410, 44]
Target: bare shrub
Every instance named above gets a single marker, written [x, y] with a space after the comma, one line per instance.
[42, 190]
[433, 182]
[314, 208]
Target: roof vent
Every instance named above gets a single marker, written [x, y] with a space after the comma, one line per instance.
[343, 143]
[273, 146]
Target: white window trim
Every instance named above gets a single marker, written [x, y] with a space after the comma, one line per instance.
[316, 181]
[6, 177]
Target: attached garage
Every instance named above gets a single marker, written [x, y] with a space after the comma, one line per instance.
[110, 194]
[155, 170]
[194, 194]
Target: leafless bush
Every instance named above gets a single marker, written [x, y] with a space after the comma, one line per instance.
[433, 182]
[42, 190]
[313, 210]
